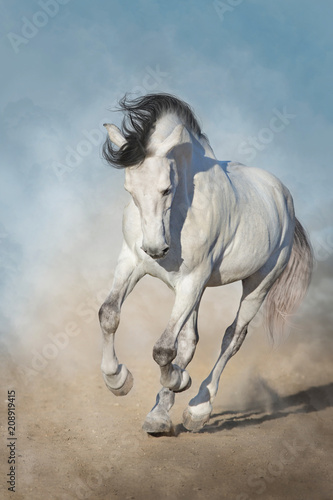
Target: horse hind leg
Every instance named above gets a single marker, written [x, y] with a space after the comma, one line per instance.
[255, 288]
[158, 420]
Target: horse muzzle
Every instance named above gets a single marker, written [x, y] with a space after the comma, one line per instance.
[155, 253]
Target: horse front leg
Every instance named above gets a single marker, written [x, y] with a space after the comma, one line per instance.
[173, 376]
[117, 377]
[158, 420]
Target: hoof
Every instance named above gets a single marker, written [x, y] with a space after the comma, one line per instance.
[125, 388]
[194, 423]
[158, 423]
[126, 385]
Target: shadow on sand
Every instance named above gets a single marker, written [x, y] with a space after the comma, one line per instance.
[311, 400]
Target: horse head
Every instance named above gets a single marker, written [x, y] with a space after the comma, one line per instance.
[153, 184]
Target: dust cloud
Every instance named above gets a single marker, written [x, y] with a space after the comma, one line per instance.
[58, 268]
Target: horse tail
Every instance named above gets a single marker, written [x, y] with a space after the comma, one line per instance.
[289, 289]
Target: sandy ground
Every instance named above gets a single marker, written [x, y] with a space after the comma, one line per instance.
[270, 435]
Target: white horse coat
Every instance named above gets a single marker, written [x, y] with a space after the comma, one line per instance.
[194, 222]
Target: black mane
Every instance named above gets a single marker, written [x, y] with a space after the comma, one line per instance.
[140, 118]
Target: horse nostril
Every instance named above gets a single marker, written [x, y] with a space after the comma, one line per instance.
[156, 255]
[145, 251]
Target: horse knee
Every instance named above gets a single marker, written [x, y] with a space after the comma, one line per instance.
[164, 355]
[185, 352]
[109, 317]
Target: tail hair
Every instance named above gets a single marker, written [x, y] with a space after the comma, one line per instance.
[289, 289]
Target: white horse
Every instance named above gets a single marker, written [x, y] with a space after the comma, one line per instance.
[194, 222]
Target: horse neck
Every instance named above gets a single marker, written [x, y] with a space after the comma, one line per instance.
[188, 166]
[202, 157]
[191, 160]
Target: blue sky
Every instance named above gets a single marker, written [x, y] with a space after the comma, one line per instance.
[238, 63]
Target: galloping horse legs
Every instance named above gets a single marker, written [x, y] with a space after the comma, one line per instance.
[158, 420]
[255, 289]
[116, 376]
[188, 295]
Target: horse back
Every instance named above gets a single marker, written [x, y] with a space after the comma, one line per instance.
[256, 220]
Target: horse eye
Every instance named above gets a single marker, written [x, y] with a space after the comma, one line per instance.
[166, 191]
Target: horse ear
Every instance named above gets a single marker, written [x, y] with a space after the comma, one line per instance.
[178, 136]
[115, 135]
